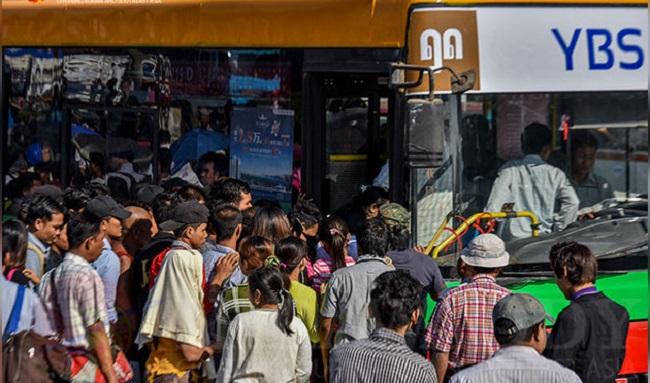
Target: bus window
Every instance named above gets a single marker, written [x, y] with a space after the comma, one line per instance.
[599, 140]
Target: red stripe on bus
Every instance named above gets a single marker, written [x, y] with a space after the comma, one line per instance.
[636, 349]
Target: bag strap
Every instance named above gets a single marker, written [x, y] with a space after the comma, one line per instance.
[11, 273]
[14, 317]
[39, 253]
[58, 317]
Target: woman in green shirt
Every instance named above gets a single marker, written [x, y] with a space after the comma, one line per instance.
[292, 254]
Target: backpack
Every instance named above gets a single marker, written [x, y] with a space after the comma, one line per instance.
[29, 357]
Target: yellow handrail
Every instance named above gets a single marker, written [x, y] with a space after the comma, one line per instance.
[534, 225]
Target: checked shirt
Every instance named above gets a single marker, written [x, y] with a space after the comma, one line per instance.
[462, 322]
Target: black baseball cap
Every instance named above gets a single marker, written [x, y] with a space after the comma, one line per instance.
[105, 206]
[186, 213]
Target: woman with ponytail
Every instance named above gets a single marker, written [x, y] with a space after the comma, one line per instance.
[292, 254]
[334, 236]
[268, 344]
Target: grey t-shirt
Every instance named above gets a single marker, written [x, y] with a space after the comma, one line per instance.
[348, 296]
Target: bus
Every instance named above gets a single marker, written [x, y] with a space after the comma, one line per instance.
[346, 81]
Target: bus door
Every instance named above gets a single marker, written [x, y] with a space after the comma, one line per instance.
[346, 136]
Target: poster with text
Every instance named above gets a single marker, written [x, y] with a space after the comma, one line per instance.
[261, 151]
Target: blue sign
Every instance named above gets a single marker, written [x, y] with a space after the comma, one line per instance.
[261, 151]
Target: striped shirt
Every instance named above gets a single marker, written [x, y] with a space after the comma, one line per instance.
[516, 364]
[323, 269]
[462, 323]
[384, 357]
[80, 299]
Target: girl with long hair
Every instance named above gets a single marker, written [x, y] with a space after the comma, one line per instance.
[334, 236]
[271, 223]
[292, 254]
[267, 344]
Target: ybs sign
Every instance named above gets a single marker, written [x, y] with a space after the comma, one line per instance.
[605, 48]
[444, 38]
[533, 48]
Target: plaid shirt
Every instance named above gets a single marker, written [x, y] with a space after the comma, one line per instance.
[80, 299]
[462, 322]
[234, 301]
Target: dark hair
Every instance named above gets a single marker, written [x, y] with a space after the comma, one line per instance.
[266, 202]
[334, 232]
[394, 298]
[76, 198]
[118, 187]
[97, 189]
[180, 232]
[581, 265]
[190, 192]
[254, 250]
[535, 137]
[583, 139]
[80, 228]
[162, 206]
[503, 329]
[219, 162]
[290, 251]
[353, 216]
[373, 239]
[26, 181]
[14, 241]
[268, 280]
[97, 159]
[247, 220]
[305, 214]
[271, 223]
[372, 195]
[229, 190]
[42, 207]
[399, 238]
[224, 219]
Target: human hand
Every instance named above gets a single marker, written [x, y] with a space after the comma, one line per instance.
[31, 275]
[225, 267]
[420, 249]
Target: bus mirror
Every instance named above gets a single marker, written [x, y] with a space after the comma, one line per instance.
[425, 133]
[463, 82]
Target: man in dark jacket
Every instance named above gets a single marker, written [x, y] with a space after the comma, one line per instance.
[589, 335]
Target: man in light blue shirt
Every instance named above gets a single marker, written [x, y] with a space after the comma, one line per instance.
[107, 265]
[532, 184]
[44, 218]
[225, 220]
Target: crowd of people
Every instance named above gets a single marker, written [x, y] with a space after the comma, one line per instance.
[183, 284]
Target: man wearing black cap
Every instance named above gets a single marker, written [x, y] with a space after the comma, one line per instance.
[189, 224]
[519, 327]
[174, 322]
[107, 265]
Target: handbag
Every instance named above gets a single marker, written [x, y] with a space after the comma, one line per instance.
[85, 367]
[28, 356]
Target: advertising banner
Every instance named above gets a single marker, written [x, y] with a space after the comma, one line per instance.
[261, 151]
[534, 49]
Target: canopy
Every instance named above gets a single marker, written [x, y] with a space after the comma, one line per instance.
[218, 23]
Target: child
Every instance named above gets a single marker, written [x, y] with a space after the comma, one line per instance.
[14, 250]
[268, 343]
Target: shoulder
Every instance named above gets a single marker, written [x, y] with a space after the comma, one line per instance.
[301, 290]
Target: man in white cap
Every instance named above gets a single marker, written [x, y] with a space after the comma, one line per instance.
[520, 329]
[461, 333]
